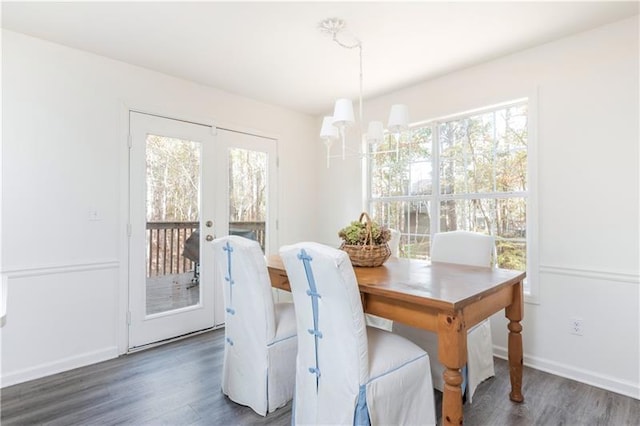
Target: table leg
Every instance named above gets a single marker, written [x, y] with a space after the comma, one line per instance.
[452, 352]
[514, 313]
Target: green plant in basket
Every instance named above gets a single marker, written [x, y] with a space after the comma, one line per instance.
[365, 242]
[357, 233]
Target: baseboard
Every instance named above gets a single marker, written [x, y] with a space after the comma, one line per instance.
[602, 381]
[59, 366]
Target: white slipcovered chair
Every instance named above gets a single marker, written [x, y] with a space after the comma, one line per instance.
[260, 335]
[466, 248]
[394, 242]
[348, 373]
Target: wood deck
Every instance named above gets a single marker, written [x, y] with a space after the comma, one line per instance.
[170, 292]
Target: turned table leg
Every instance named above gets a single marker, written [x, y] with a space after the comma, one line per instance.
[452, 352]
[514, 313]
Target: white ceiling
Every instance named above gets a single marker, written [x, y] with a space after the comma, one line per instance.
[273, 52]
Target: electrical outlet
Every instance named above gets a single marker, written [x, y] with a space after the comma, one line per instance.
[576, 326]
[94, 215]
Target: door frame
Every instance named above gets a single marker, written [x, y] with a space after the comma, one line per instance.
[147, 328]
[126, 106]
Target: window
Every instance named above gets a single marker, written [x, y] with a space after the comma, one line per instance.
[468, 172]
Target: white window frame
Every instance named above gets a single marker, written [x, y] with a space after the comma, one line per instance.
[531, 283]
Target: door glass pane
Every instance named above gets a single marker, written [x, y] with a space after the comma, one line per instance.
[173, 244]
[247, 194]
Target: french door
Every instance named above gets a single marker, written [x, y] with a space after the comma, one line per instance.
[190, 183]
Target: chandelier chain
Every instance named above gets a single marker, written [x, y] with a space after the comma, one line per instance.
[357, 45]
[336, 26]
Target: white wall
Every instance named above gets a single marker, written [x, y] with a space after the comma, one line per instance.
[64, 154]
[588, 218]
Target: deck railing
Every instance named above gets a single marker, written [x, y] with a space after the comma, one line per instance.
[166, 242]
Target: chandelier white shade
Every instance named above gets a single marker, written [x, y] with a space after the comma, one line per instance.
[398, 118]
[375, 132]
[328, 131]
[343, 113]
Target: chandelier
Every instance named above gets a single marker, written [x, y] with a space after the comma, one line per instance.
[334, 127]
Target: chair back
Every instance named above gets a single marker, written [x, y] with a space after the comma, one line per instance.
[332, 359]
[394, 242]
[463, 247]
[248, 299]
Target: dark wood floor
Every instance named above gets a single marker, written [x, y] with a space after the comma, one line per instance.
[179, 384]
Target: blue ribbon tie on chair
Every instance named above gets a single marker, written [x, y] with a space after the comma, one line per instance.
[313, 293]
[228, 278]
[362, 412]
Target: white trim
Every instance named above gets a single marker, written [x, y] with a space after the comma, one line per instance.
[594, 274]
[3, 301]
[42, 270]
[533, 209]
[174, 114]
[613, 384]
[434, 204]
[464, 196]
[122, 291]
[470, 112]
[159, 111]
[483, 195]
[59, 366]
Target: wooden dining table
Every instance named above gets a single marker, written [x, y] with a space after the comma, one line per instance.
[447, 299]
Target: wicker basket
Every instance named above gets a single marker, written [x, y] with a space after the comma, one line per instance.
[369, 254]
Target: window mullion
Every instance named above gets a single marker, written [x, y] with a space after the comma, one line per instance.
[483, 195]
[436, 192]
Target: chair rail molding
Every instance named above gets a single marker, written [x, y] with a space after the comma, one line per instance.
[628, 277]
[61, 268]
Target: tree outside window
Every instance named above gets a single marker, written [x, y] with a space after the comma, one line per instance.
[463, 173]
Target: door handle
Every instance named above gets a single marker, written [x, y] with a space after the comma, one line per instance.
[209, 237]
